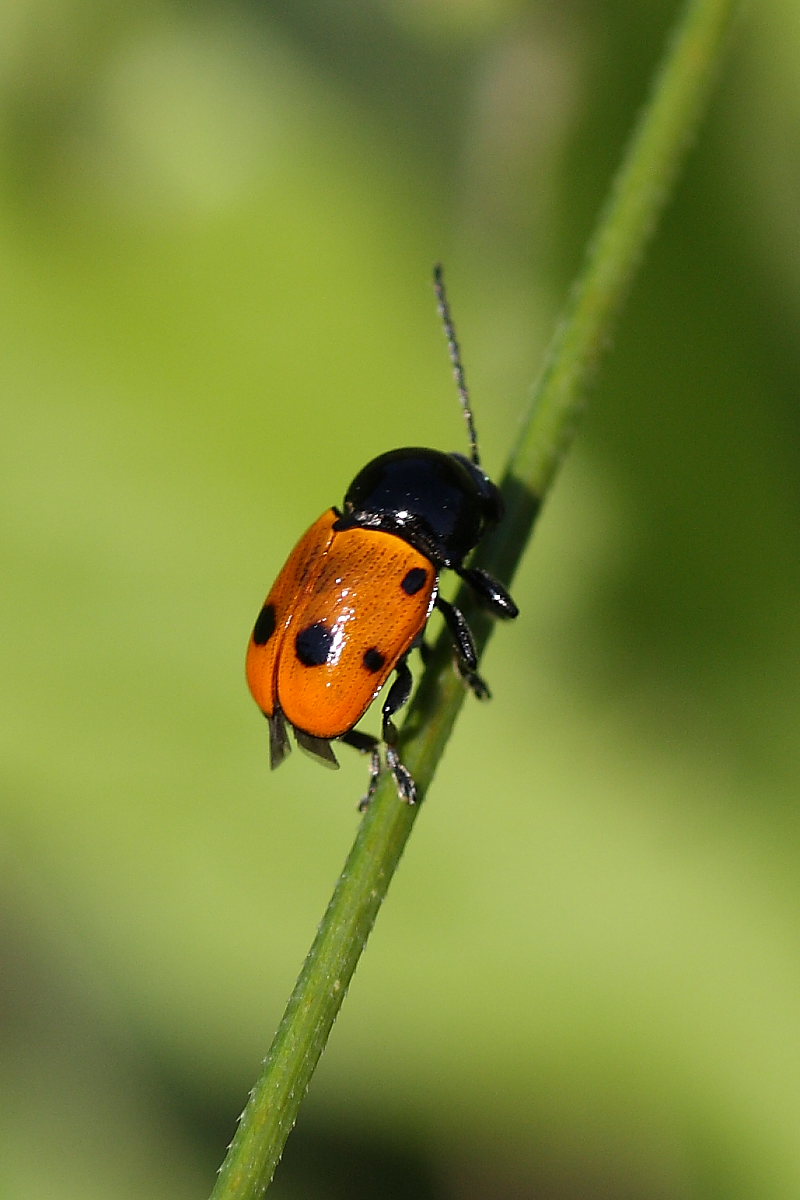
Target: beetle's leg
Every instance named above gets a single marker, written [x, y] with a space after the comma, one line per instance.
[475, 682]
[374, 776]
[466, 655]
[365, 743]
[398, 696]
[489, 591]
[406, 788]
[460, 632]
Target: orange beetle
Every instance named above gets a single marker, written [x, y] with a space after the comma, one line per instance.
[355, 595]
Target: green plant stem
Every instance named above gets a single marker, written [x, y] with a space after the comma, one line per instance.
[637, 197]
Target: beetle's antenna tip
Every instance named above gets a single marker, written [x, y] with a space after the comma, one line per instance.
[455, 358]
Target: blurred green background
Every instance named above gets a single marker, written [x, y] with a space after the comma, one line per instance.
[217, 225]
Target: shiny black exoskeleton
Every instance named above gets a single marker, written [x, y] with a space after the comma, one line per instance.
[442, 504]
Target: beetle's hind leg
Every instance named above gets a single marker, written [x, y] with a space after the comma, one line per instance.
[404, 780]
[365, 743]
[398, 695]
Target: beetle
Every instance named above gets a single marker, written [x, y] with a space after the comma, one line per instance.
[354, 596]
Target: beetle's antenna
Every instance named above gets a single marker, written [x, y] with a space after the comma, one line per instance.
[455, 358]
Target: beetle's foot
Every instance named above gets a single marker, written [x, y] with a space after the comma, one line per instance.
[374, 776]
[406, 788]
[471, 679]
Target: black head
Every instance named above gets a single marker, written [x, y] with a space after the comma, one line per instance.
[439, 503]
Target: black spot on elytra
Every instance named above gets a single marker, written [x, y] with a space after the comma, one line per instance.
[312, 644]
[265, 625]
[414, 581]
[373, 659]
